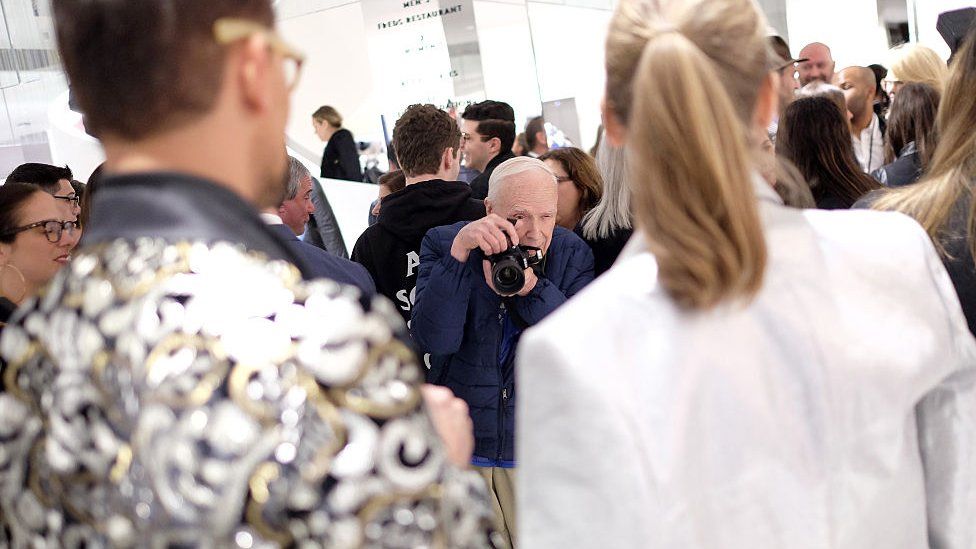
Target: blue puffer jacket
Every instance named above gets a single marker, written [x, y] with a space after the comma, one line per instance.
[471, 334]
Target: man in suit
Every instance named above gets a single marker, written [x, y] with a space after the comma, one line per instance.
[289, 221]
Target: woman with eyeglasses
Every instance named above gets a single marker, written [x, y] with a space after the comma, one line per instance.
[580, 184]
[35, 242]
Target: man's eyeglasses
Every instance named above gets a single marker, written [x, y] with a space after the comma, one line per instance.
[229, 30]
[53, 229]
[74, 199]
[465, 137]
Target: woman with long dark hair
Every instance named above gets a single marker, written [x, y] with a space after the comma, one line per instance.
[910, 138]
[814, 136]
[747, 375]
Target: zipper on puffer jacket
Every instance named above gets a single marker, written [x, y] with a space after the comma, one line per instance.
[503, 397]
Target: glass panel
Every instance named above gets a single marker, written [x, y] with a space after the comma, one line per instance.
[30, 80]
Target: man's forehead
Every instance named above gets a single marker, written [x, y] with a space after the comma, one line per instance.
[65, 186]
[856, 75]
[816, 50]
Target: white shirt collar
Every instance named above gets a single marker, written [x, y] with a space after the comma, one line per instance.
[271, 219]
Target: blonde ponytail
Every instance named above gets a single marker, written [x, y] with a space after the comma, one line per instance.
[688, 107]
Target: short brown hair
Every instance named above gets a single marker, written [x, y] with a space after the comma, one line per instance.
[581, 168]
[394, 181]
[328, 114]
[140, 68]
[420, 137]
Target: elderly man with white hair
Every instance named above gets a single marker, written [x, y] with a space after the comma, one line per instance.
[480, 284]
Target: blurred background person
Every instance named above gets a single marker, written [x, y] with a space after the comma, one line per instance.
[389, 183]
[84, 213]
[882, 101]
[340, 160]
[818, 65]
[866, 128]
[915, 63]
[815, 138]
[33, 243]
[609, 225]
[579, 184]
[536, 142]
[521, 146]
[741, 377]
[942, 202]
[910, 137]
[788, 81]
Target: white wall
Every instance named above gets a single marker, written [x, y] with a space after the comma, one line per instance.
[505, 41]
[569, 47]
[850, 27]
[336, 72]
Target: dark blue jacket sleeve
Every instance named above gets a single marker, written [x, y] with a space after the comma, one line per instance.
[443, 291]
[576, 272]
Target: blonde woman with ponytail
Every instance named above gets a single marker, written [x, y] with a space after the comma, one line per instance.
[746, 375]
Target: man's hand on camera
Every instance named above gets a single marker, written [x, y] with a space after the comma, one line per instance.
[488, 233]
[530, 281]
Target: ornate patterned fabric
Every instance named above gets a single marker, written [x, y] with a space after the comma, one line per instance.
[162, 394]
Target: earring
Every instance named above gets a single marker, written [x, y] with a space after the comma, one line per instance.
[23, 283]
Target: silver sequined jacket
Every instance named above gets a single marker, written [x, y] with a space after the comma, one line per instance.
[162, 394]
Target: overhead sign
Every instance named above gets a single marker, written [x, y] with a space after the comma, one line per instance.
[423, 51]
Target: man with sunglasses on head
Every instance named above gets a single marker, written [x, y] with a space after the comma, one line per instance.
[180, 384]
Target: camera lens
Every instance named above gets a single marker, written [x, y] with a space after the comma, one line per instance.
[507, 276]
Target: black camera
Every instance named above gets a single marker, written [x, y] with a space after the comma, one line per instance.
[508, 267]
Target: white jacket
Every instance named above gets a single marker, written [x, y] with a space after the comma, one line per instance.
[836, 410]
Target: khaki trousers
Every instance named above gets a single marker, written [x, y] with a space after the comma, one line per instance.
[501, 487]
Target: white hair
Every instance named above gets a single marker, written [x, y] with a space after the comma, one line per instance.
[297, 172]
[613, 211]
[515, 166]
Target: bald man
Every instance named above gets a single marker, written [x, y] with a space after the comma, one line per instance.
[818, 64]
[859, 85]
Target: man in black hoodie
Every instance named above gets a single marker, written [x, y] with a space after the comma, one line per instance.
[427, 143]
[489, 133]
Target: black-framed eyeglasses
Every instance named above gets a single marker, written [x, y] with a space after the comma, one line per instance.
[73, 198]
[53, 229]
[465, 137]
